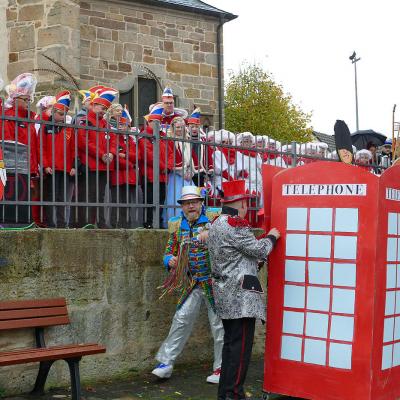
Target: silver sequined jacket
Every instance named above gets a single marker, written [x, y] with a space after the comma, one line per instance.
[235, 252]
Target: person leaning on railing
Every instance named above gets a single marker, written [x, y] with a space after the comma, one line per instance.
[60, 142]
[96, 151]
[146, 159]
[123, 178]
[20, 94]
[201, 151]
[182, 171]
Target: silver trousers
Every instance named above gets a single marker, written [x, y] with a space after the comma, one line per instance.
[182, 326]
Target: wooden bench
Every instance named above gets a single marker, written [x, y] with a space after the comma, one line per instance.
[38, 314]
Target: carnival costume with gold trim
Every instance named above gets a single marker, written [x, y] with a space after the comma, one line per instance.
[193, 266]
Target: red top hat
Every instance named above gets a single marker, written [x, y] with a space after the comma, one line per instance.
[234, 191]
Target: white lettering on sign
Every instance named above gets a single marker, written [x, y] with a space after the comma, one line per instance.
[325, 189]
[392, 194]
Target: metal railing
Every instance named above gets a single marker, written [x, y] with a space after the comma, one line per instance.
[72, 175]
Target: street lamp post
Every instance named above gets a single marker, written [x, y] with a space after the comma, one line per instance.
[354, 60]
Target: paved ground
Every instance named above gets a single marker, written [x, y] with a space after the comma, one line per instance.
[185, 384]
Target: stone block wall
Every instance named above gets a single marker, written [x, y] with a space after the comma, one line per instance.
[109, 279]
[38, 27]
[104, 42]
[179, 47]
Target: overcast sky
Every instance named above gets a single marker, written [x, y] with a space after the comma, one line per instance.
[306, 45]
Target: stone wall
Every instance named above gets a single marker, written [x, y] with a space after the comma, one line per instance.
[38, 27]
[109, 279]
[104, 42]
[179, 47]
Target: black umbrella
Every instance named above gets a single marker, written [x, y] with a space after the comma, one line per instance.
[361, 138]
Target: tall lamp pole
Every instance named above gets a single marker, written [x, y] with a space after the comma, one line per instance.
[354, 60]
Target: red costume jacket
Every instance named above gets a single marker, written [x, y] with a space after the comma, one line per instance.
[145, 145]
[125, 168]
[64, 144]
[98, 143]
[23, 132]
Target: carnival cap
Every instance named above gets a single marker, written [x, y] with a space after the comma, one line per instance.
[195, 117]
[125, 116]
[90, 94]
[322, 145]
[156, 113]
[234, 191]
[388, 142]
[168, 93]
[46, 102]
[245, 135]
[363, 152]
[22, 85]
[105, 96]
[63, 101]
[190, 193]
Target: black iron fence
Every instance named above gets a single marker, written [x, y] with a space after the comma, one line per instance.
[72, 175]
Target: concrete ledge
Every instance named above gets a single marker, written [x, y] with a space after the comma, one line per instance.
[109, 278]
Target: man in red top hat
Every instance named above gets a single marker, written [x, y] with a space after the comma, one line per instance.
[58, 157]
[97, 147]
[234, 253]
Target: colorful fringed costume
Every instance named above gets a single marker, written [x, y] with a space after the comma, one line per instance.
[191, 279]
[196, 269]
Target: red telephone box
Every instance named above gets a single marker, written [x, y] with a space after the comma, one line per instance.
[333, 317]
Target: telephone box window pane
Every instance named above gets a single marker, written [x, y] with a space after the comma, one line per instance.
[343, 301]
[398, 249]
[389, 304]
[294, 296]
[319, 272]
[396, 355]
[397, 328]
[398, 276]
[391, 249]
[344, 274]
[388, 330]
[318, 298]
[387, 356]
[295, 271]
[291, 348]
[296, 219]
[397, 309]
[340, 355]
[321, 219]
[392, 224]
[319, 246]
[391, 276]
[317, 325]
[346, 247]
[346, 220]
[293, 322]
[296, 245]
[315, 351]
[342, 328]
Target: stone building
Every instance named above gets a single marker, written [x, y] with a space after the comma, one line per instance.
[113, 42]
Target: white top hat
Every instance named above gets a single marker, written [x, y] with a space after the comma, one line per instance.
[190, 193]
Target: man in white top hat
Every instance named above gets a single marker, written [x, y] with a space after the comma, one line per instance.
[187, 260]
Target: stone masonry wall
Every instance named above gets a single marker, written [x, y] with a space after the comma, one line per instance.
[179, 47]
[38, 27]
[109, 279]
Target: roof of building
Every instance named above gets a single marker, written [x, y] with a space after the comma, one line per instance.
[196, 6]
[328, 139]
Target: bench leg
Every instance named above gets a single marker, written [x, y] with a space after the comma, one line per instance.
[73, 365]
[44, 369]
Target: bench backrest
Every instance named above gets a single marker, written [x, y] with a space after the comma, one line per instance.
[33, 313]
